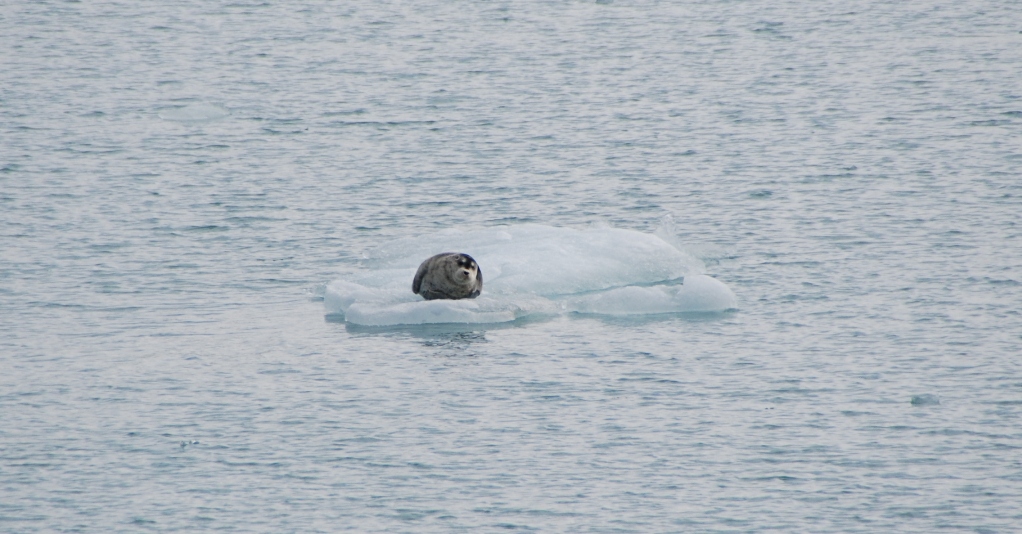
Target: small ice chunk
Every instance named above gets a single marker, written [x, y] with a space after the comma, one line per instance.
[925, 399]
[197, 112]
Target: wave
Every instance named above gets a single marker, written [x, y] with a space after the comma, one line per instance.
[532, 270]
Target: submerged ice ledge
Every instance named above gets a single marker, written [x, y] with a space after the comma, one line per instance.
[532, 270]
[699, 293]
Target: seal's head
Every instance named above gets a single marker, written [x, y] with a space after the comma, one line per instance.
[466, 269]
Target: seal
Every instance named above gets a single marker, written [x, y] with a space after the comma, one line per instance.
[450, 275]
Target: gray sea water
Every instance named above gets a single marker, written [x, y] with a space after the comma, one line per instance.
[179, 182]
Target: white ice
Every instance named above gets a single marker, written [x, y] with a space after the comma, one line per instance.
[531, 270]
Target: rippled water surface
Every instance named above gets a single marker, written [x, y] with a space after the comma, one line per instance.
[180, 181]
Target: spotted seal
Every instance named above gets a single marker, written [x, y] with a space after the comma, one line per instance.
[450, 275]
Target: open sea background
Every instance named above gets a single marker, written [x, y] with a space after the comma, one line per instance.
[180, 180]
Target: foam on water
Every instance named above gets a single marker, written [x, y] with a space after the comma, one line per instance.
[532, 270]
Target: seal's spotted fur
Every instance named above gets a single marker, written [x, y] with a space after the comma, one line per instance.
[450, 275]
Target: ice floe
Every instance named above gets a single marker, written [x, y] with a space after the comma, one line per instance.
[531, 270]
